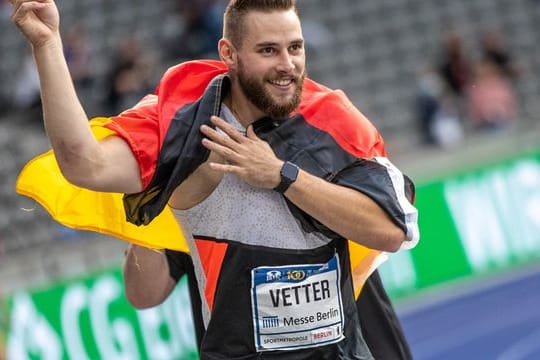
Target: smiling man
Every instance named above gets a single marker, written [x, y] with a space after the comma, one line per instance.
[267, 172]
[271, 53]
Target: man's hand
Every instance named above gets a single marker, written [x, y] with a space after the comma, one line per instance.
[248, 157]
[38, 20]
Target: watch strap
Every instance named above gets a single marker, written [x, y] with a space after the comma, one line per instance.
[288, 173]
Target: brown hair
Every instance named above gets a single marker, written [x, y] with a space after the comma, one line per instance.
[233, 20]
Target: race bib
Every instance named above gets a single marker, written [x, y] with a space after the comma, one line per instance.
[297, 306]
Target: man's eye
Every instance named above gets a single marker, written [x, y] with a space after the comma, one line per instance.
[268, 50]
[296, 47]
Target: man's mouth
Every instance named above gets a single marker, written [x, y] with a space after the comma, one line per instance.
[282, 82]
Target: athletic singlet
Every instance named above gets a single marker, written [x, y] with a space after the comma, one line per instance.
[274, 290]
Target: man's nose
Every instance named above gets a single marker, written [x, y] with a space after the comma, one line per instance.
[286, 63]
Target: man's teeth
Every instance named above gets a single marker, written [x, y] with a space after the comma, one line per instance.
[281, 82]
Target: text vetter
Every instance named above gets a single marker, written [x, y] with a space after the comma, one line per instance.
[300, 294]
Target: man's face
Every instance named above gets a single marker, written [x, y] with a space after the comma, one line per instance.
[271, 62]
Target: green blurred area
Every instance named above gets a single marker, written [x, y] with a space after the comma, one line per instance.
[477, 220]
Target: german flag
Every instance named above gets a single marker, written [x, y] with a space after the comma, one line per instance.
[146, 128]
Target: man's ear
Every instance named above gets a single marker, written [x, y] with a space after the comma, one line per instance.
[227, 53]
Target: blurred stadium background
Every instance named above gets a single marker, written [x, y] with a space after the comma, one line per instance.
[479, 195]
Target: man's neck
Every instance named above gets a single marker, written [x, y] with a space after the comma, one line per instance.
[243, 110]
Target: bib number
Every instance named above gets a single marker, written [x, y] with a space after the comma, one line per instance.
[297, 306]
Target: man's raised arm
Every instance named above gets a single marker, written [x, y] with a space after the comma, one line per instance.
[104, 166]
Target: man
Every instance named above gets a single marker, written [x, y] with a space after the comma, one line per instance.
[266, 174]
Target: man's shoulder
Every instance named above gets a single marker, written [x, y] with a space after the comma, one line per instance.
[195, 68]
[333, 112]
[322, 101]
[183, 84]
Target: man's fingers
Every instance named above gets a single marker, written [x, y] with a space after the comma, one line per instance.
[227, 129]
[225, 152]
[225, 168]
[23, 7]
[215, 135]
[18, 2]
[221, 138]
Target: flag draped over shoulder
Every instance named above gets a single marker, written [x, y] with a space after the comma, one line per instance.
[84, 209]
[145, 128]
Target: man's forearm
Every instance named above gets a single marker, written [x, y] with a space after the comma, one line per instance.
[66, 122]
[146, 276]
[348, 212]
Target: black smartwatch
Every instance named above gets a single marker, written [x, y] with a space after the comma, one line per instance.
[289, 173]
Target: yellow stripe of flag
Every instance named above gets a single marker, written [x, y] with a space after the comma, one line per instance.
[84, 209]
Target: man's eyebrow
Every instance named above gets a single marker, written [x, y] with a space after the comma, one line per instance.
[266, 44]
[273, 44]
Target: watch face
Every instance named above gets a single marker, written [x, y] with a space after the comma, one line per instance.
[289, 171]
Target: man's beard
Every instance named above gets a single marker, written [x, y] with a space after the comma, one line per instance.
[255, 91]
